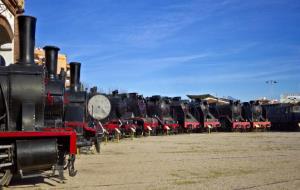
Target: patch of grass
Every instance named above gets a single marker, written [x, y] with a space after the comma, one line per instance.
[230, 172]
[216, 174]
[175, 175]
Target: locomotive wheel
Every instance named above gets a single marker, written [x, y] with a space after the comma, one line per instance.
[5, 177]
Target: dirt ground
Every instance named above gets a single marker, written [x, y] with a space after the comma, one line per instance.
[196, 161]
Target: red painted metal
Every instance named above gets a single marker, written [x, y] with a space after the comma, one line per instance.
[80, 124]
[173, 125]
[213, 124]
[261, 125]
[127, 127]
[50, 99]
[111, 126]
[241, 125]
[194, 125]
[42, 134]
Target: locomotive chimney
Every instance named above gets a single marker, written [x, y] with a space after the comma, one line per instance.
[75, 75]
[26, 26]
[51, 54]
[62, 75]
[115, 92]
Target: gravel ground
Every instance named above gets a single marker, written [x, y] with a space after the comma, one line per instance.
[196, 161]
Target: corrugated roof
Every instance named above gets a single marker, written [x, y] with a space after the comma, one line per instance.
[209, 98]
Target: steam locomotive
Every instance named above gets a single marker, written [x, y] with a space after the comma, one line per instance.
[284, 116]
[180, 112]
[112, 124]
[81, 113]
[137, 117]
[26, 148]
[253, 112]
[159, 107]
[128, 115]
[230, 116]
[99, 108]
[200, 110]
[55, 90]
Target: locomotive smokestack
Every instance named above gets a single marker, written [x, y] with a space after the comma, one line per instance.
[26, 26]
[62, 75]
[115, 92]
[75, 75]
[51, 54]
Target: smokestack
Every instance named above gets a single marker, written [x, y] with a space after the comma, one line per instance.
[51, 54]
[26, 26]
[62, 75]
[75, 75]
[115, 92]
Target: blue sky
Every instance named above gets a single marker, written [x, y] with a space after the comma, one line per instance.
[177, 47]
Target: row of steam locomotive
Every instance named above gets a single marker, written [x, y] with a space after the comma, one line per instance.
[131, 114]
[43, 124]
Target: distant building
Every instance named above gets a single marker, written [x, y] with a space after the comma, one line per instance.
[9, 10]
[290, 98]
[62, 62]
[209, 98]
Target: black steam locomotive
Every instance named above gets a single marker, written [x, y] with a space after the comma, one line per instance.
[230, 116]
[26, 148]
[76, 116]
[55, 90]
[159, 108]
[180, 112]
[200, 110]
[253, 112]
[113, 123]
[284, 116]
[99, 108]
[136, 118]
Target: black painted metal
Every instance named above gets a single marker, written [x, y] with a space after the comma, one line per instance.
[76, 108]
[252, 111]
[179, 110]
[22, 83]
[200, 110]
[2, 61]
[232, 111]
[22, 104]
[26, 25]
[55, 89]
[75, 76]
[283, 117]
[51, 55]
[34, 155]
[62, 75]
